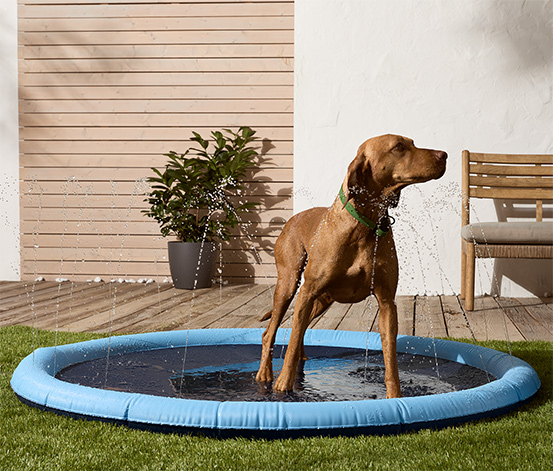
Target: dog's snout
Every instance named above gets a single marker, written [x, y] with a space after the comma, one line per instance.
[440, 154]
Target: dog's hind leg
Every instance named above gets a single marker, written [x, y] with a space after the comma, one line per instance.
[321, 304]
[308, 306]
[319, 307]
[302, 311]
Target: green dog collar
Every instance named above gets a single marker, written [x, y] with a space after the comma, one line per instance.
[379, 229]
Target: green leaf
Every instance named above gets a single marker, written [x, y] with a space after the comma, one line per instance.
[197, 138]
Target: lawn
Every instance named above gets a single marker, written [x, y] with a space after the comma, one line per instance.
[30, 439]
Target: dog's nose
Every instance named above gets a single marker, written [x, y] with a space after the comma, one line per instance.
[440, 154]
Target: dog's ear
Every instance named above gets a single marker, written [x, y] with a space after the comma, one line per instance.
[356, 175]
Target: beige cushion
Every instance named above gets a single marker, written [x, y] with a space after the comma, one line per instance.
[532, 233]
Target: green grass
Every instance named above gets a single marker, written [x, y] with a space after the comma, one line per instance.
[30, 439]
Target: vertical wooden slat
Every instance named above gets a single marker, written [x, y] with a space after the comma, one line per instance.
[539, 205]
[470, 266]
[465, 214]
[107, 87]
[465, 210]
[539, 211]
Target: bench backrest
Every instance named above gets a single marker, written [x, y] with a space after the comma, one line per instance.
[506, 176]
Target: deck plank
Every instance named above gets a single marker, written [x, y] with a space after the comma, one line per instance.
[93, 305]
[361, 316]
[332, 318]
[247, 305]
[184, 312]
[12, 293]
[455, 319]
[47, 306]
[489, 322]
[541, 311]
[41, 295]
[523, 316]
[109, 317]
[429, 319]
[406, 315]
[246, 315]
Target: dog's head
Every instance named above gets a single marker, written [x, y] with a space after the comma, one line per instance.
[387, 164]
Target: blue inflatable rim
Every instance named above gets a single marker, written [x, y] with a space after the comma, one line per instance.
[34, 383]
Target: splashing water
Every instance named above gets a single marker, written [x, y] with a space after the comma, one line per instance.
[245, 226]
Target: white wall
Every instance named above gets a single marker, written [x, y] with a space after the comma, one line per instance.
[9, 158]
[450, 74]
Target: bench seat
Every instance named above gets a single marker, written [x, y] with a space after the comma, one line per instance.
[528, 233]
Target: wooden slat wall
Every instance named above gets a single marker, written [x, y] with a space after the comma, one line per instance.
[107, 87]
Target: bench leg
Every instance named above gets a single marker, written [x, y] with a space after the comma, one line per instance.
[470, 262]
[463, 268]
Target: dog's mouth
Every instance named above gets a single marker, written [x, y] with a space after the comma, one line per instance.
[442, 169]
[441, 158]
[438, 173]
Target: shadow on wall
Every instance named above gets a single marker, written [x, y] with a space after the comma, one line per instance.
[254, 246]
[535, 276]
[528, 26]
[527, 40]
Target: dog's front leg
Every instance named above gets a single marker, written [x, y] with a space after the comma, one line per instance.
[302, 311]
[388, 334]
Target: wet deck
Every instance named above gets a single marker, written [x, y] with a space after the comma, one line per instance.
[131, 308]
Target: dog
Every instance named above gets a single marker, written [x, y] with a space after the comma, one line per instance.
[347, 252]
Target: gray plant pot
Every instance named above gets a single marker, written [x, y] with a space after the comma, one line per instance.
[192, 264]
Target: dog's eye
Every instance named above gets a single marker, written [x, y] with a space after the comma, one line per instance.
[399, 147]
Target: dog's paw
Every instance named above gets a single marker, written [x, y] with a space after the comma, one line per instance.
[283, 384]
[264, 375]
[393, 394]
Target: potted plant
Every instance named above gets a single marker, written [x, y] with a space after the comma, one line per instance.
[193, 198]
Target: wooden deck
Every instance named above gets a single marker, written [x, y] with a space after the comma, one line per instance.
[130, 308]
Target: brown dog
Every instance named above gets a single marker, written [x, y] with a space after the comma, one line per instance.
[344, 257]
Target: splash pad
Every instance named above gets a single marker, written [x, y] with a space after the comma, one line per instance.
[35, 383]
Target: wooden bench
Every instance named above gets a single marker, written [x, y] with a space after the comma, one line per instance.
[528, 178]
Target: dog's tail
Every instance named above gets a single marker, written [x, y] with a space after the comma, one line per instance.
[266, 316]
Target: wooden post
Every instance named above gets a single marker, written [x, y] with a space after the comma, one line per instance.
[465, 216]
[469, 274]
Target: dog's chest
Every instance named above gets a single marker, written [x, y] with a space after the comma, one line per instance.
[352, 283]
[362, 270]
